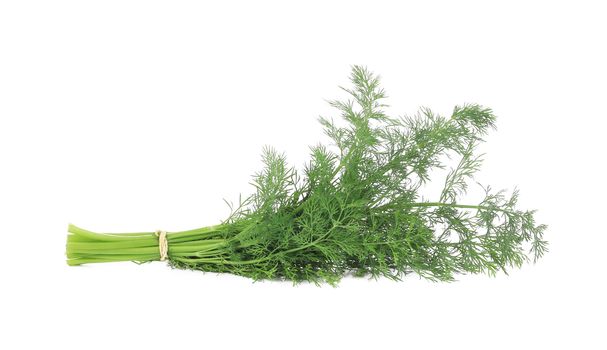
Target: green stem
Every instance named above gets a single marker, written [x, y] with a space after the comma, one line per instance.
[463, 206]
[85, 246]
[202, 245]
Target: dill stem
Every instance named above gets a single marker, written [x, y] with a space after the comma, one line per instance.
[455, 205]
[85, 246]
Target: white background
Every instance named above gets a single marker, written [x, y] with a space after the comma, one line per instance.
[138, 115]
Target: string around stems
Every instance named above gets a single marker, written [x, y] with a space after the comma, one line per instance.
[163, 244]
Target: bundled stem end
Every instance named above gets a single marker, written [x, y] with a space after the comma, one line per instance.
[84, 247]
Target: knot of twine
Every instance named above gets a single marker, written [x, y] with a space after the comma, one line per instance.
[163, 244]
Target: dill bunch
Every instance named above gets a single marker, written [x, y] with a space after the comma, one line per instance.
[356, 208]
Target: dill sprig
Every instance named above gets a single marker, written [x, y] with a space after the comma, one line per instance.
[356, 208]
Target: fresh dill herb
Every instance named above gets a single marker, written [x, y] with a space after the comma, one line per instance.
[356, 208]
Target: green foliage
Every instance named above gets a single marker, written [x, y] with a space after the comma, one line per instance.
[357, 209]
